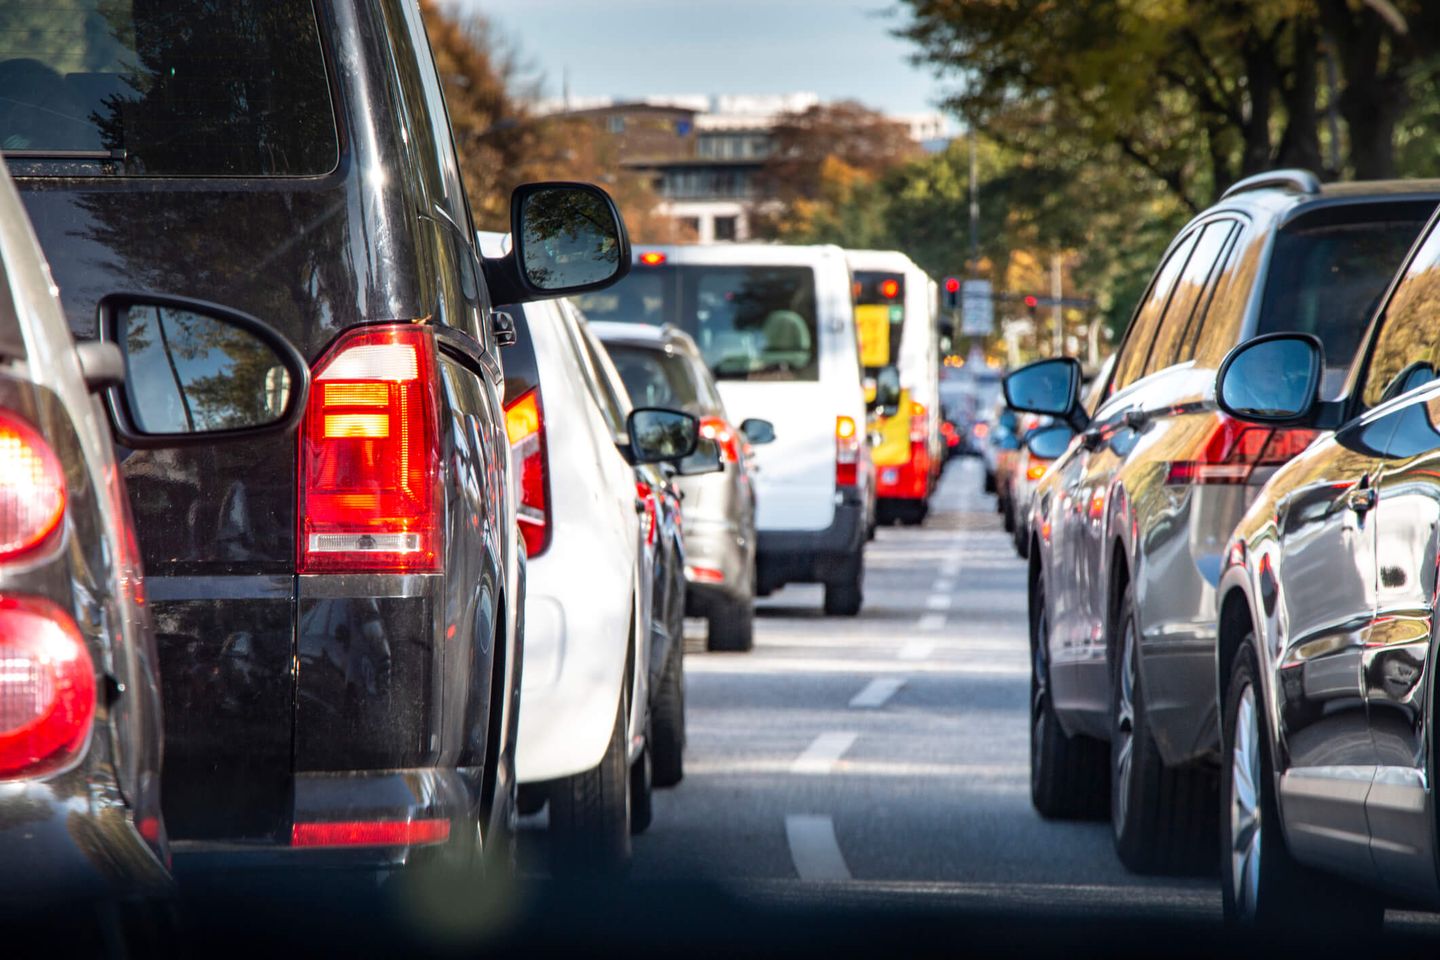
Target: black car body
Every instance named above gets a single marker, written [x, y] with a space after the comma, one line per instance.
[337, 617]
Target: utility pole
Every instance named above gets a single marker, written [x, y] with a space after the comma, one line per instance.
[1059, 312]
[974, 209]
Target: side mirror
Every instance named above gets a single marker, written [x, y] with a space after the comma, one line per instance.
[657, 435]
[705, 459]
[1049, 387]
[196, 372]
[1271, 379]
[1049, 443]
[568, 238]
[887, 390]
[758, 431]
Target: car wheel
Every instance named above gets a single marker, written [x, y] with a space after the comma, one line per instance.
[590, 812]
[667, 720]
[1068, 775]
[1164, 818]
[1022, 542]
[989, 481]
[915, 513]
[845, 593]
[732, 627]
[1261, 884]
[642, 785]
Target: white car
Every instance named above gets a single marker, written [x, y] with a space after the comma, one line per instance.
[776, 326]
[584, 737]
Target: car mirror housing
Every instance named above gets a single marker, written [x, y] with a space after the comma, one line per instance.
[1273, 378]
[705, 459]
[1048, 387]
[1049, 443]
[197, 372]
[758, 431]
[567, 239]
[657, 435]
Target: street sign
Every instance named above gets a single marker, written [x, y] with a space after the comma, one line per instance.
[977, 309]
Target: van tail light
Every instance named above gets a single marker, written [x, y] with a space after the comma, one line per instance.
[32, 488]
[525, 425]
[47, 687]
[1235, 449]
[370, 456]
[918, 423]
[725, 437]
[847, 452]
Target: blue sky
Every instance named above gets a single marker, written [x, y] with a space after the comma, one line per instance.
[836, 48]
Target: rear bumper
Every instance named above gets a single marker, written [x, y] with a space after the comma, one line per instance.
[907, 480]
[714, 549]
[805, 556]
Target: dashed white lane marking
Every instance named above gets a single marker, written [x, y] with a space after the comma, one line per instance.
[813, 847]
[943, 585]
[822, 755]
[916, 650]
[950, 568]
[877, 691]
[931, 623]
[938, 601]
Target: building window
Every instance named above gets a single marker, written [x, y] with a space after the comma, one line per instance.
[616, 124]
[725, 228]
[690, 226]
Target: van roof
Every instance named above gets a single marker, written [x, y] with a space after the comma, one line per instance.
[881, 260]
[760, 254]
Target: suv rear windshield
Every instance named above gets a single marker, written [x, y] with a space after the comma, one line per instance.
[199, 88]
[1328, 272]
[751, 322]
[654, 378]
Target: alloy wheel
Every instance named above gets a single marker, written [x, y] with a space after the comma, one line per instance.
[1244, 799]
[1124, 746]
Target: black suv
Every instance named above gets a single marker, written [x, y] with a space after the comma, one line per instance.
[336, 614]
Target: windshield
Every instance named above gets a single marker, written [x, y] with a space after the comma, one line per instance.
[654, 378]
[220, 88]
[750, 322]
[879, 317]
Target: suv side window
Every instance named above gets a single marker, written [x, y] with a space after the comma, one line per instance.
[1223, 319]
[1172, 345]
[1408, 328]
[1136, 349]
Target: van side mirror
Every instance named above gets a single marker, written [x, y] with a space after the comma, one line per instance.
[1273, 378]
[195, 372]
[567, 239]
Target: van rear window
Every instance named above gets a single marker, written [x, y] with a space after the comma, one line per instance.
[193, 88]
[750, 322]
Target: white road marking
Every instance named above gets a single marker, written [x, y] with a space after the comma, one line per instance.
[916, 650]
[938, 601]
[877, 691]
[943, 585]
[950, 568]
[931, 623]
[822, 755]
[813, 847]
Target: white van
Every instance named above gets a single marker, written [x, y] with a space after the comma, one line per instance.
[776, 326]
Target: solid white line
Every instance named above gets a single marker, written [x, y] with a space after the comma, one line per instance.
[931, 623]
[822, 755]
[877, 691]
[916, 650]
[813, 847]
[938, 601]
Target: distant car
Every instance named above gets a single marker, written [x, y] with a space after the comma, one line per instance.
[584, 743]
[662, 366]
[776, 327]
[80, 698]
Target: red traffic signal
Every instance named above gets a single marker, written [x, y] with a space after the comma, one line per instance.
[952, 284]
[1032, 301]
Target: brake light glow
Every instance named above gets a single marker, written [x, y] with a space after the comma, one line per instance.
[47, 687]
[652, 258]
[699, 574]
[32, 488]
[369, 456]
[725, 437]
[847, 452]
[1036, 470]
[889, 289]
[525, 425]
[1233, 451]
[649, 518]
[370, 833]
[918, 422]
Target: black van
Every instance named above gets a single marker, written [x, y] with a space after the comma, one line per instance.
[336, 611]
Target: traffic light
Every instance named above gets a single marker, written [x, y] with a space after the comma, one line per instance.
[1032, 302]
[952, 293]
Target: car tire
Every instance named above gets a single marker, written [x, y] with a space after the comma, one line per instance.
[845, 590]
[913, 514]
[1262, 885]
[732, 627]
[989, 481]
[1069, 776]
[1008, 512]
[667, 720]
[642, 785]
[590, 812]
[1163, 818]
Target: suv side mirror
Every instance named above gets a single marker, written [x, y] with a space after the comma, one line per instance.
[568, 238]
[1049, 443]
[1273, 378]
[657, 435]
[195, 372]
[1049, 387]
[758, 431]
[705, 459]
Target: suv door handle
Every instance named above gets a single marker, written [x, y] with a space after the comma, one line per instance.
[1135, 419]
[1361, 499]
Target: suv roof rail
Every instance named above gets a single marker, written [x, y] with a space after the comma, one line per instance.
[1300, 181]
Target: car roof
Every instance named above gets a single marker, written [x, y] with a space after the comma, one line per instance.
[1285, 195]
[642, 334]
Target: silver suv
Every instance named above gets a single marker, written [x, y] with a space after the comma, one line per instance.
[1129, 526]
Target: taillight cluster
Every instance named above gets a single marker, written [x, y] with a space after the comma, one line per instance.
[1233, 451]
[369, 456]
[919, 423]
[1036, 469]
[47, 687]
[32, 488]
[649, 511]
[724, 435]
[847, 452]
[525, 425]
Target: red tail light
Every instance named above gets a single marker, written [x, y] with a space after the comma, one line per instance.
[370, 456]
[847, 452]
[725, 437]
[525, 425]
[650, 518]
[47, 687]
[370, 833]
[1036, 470]
[32, 488]
[1235, 449]
[919, 424]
